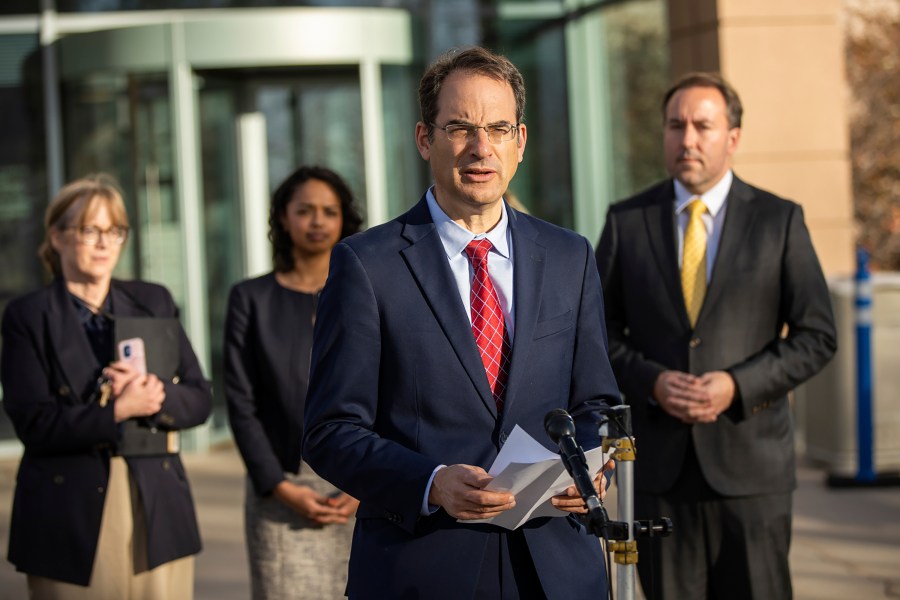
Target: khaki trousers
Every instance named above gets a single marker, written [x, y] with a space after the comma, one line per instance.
[120, 567]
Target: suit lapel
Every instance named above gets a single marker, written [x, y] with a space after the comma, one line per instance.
[528, 284]
[428, 263]
[739, 217]
[661, 226]
[69, 342]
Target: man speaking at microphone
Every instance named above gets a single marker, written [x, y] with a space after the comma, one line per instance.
[437, 333]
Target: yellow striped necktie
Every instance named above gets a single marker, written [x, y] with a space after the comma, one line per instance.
[693, 261]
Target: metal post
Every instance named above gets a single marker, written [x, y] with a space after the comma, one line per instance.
[373, 142]
[53, 118]
[864, 434]
[253, 173]
[189, 192]
[624, 549]
[625, 485]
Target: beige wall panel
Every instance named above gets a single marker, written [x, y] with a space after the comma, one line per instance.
[791, 83]
[823, 189]
[774, 9]
[835, 246]
[821, 186]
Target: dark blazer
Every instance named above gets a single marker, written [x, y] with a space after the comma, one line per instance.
[268, 341]
[48, 373]
[766, 276]
[397, 388]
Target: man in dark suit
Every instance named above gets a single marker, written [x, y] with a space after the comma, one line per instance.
[408, 404]
[716, 308]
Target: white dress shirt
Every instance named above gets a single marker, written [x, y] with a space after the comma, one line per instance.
[455, 238]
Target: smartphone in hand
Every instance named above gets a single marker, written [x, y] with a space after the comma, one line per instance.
[131, 351]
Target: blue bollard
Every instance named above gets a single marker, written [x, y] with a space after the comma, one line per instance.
[864, 424]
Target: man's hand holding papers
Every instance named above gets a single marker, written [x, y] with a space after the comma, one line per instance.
[538, 479]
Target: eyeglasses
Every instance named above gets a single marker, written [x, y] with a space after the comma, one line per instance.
[91, 235]
[463, 132]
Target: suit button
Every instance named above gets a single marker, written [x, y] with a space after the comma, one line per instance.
[165, 464]
[503, 436]
[64, 390]
[176, 380]
[99, 489]
[694, 343]
[58, 479]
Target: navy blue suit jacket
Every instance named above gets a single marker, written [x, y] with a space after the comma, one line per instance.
[49, 374]
[397, 388]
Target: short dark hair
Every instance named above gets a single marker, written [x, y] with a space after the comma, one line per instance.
[475, 60]
[733, 106]
[282, 246]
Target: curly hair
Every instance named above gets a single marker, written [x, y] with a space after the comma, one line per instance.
[282, 246]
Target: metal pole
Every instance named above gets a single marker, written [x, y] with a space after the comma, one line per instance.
[624, 550]
[50, 72]
[189, 192]
[864, 434]
[253, 174]
[625, 486]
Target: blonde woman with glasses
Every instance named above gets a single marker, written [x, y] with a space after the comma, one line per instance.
[89, 519]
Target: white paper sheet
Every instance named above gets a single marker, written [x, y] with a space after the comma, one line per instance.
[534, 475]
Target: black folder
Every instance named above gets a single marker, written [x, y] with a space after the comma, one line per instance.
[160, 335]
[140, 436]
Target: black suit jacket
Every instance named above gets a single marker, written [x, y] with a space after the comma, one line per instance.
[48, 372]
[268, 340]
[766, 276]
[397, 387]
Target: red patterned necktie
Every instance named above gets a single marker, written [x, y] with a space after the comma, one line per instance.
[488, 325]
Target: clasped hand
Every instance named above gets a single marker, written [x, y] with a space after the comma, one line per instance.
[135, 395]
[694, 399]
[320, 509]
[459, 489]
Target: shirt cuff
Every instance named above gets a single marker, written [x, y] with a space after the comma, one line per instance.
[429, 509]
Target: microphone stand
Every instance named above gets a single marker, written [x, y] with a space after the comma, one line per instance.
[615, 430]
[624, 552]
[616, 433]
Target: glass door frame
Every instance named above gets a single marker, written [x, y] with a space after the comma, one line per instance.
[181, 42]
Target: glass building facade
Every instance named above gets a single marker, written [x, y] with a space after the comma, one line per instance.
[200, 109]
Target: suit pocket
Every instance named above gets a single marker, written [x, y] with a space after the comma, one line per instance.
[553, 325]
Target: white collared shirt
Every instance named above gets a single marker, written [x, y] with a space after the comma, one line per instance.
[455, 238]
[716, 202]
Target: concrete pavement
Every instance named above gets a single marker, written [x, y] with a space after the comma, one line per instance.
[846, 542]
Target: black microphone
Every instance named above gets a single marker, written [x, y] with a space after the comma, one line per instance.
[561, 428]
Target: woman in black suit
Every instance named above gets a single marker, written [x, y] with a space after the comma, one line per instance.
[87, 522]
[297, 525]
